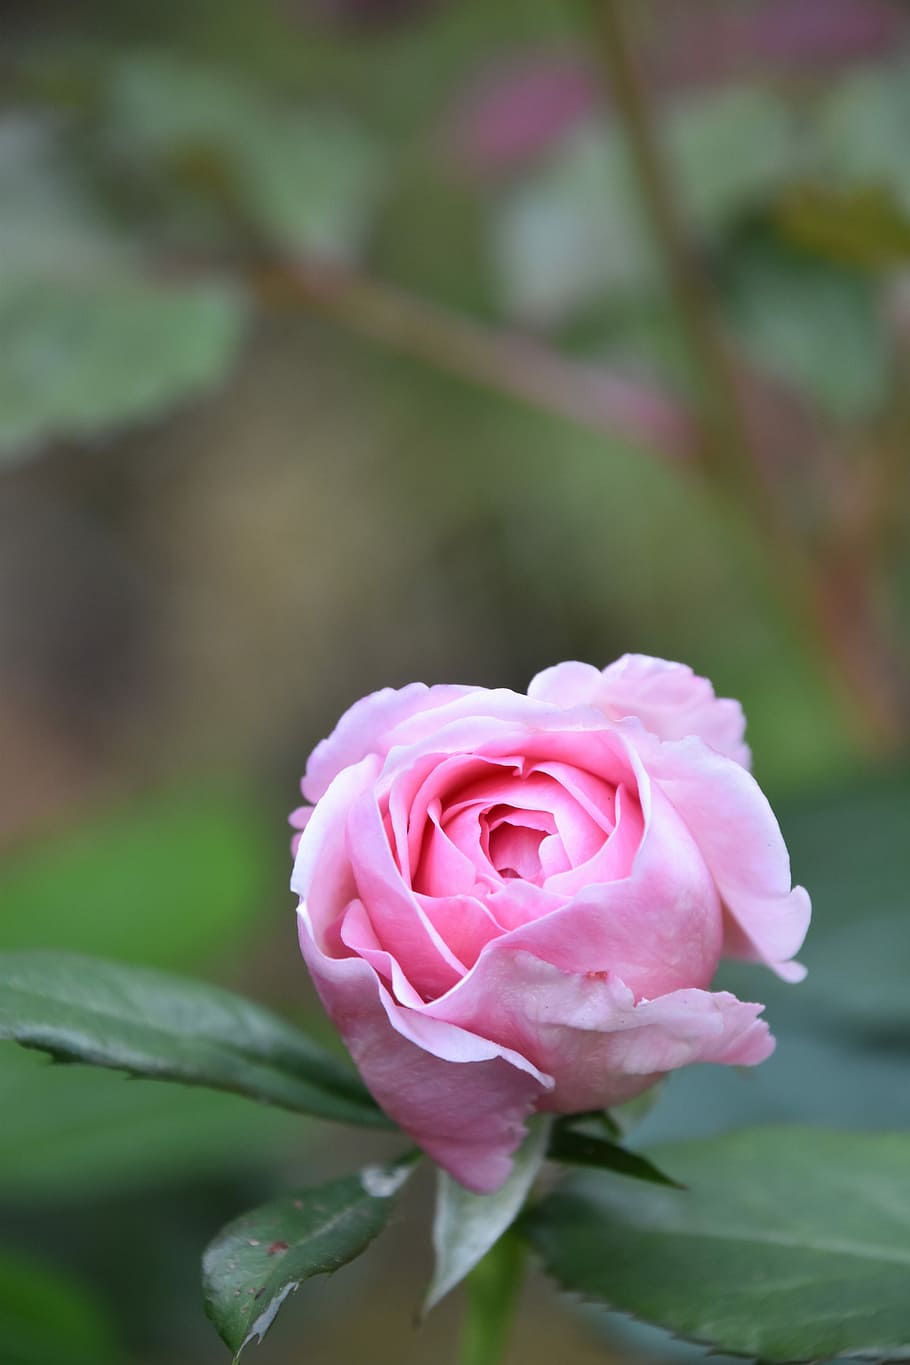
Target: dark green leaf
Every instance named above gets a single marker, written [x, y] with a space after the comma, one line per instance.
[789, 1243]
[45, 1319]
[155, 1025]
[584, 1149]
[257, 1261]
[74, 1132]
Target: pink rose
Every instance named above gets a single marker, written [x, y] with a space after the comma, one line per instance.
[516, 903]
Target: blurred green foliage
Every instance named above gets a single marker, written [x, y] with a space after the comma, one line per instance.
[45, 1318]
[169, 880]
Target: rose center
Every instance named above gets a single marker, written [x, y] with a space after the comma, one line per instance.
[513, 847]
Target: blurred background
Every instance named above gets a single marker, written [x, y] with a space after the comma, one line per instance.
[351, 342]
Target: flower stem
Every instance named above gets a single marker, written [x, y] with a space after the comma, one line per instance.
[726, 449]
[493, 1289]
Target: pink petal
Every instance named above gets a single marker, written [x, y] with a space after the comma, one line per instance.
[740, 839]
[658, 929]
[589, 1032]
[400, 923]
[367, 728]
[462, 1099]
[322, 874]
[668, 698]
[298, 819]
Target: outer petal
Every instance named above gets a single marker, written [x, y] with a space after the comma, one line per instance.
[589, 1032]
[668, 698]
[740, 840]
[463, 1099]
[366, 727]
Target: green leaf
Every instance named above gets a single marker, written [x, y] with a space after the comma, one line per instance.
[71, 1133]
[789, 1243]
[257, 1261]
[82, 354]
[48, 221]
[860, 131]
[46, 1319]
[584, 1149]
[861, 226]
[467, 1225]
[199, 865]
[302, 179]
[575, 230]
[155, 1025]
[729, 150]
[572, 231]
[812, 323]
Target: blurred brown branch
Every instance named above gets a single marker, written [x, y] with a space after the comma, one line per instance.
[612, 404]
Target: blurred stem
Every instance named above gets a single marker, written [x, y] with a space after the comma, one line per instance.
[726, 450]
[493, 1289]
[836, 608]
[608, 403]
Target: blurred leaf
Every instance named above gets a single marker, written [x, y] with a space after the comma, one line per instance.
[466, 1225]
[728, 150]
[813, 324]
[82, 355]
[257, 1261]
[574, 226]
[159, 1026]
[861, 131]
[48, 223]
[788, 1243]
[45, 1319]
[862, 226]
[301, 179]
[165, 882]
[585, 1149]
[89, 343]
[571, 229]
[70, 1132]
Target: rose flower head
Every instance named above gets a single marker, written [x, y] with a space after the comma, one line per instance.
[512, 904]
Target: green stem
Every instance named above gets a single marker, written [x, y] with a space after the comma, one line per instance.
[493, 1289]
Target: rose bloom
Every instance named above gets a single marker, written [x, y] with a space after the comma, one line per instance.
[512, 904]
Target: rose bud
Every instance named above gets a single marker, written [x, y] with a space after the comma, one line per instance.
[512, 904]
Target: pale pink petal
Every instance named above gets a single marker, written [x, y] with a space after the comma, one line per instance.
[614, 860]
[367, 727]
[740, 840]
[669, 699]
[463, 1099]
[658, 929]
[589, 1032]
[400, 923]
[298, 819]
[322, 874]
